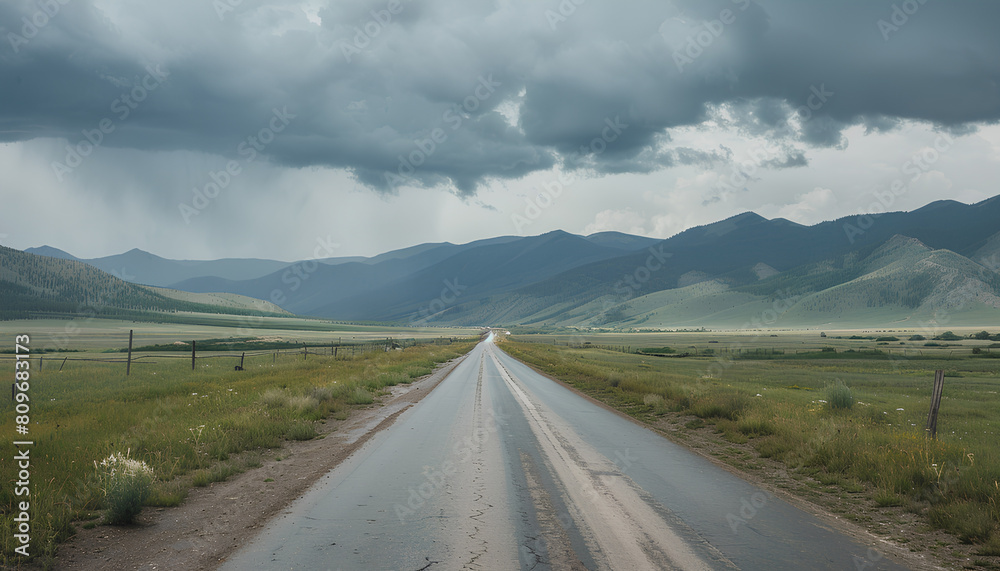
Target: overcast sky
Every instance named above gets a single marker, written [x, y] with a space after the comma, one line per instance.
[203, 129]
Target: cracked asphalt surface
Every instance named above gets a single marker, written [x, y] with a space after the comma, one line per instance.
[501, 468]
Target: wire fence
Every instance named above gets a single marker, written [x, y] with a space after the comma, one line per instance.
[192, 353]
[763, 353]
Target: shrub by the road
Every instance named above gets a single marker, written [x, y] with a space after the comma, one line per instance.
[127, 483]
[839, 397]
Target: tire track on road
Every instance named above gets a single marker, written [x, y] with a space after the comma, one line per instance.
[626, 530]
[479, 487]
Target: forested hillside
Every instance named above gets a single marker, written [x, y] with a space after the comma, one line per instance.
[37, 286]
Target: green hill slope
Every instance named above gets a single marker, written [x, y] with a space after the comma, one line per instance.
[901, 282]
[37, 286]
[233, 301]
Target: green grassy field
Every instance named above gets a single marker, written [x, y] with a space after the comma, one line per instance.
[790, 340]
[191, 427]
[87, 333]
[776, 393]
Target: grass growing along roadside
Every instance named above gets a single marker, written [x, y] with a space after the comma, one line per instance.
[126, 484]
[856, 424]
[185, 425]
[360, 395]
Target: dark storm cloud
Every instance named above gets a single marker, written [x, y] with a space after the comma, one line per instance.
[445, 92]
[791, 159]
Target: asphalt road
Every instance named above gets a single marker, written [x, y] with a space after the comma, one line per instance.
[500, 468]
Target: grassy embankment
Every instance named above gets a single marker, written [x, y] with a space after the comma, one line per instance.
[780, 405]
[187, 425]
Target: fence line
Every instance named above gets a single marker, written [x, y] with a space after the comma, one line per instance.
[336, 350]
[888, 352]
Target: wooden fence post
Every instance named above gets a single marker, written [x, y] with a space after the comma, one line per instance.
[192, 354]
[128, 363]
[935, 404]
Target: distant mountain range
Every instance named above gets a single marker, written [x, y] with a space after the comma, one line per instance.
[33, 286]
[935, 266]
[141, 267]
[333, 286]
[747, 270]
[138, 266]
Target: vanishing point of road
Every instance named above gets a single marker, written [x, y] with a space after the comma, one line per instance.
[501, 468]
